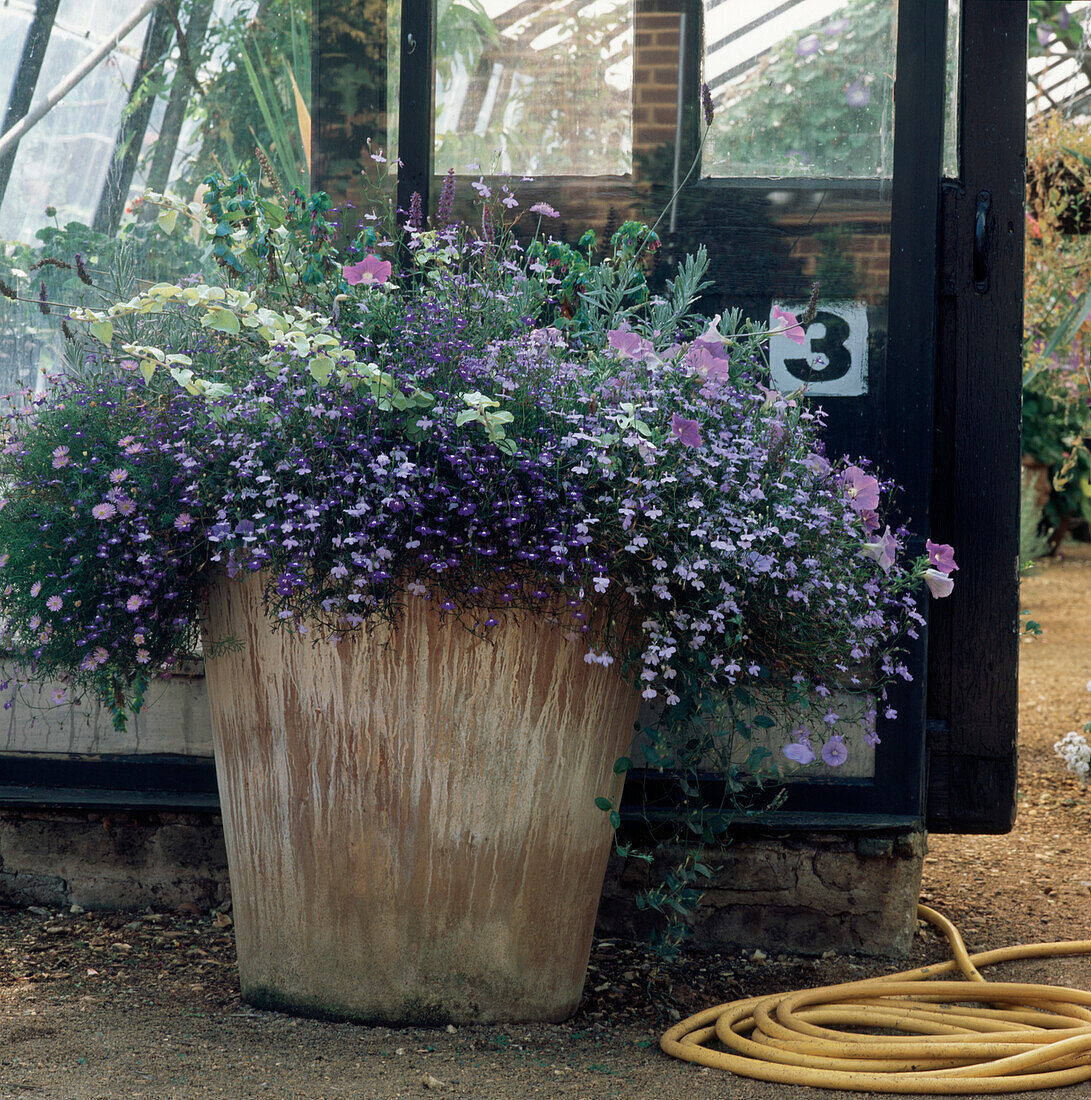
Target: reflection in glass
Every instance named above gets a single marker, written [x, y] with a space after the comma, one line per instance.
[803, 88]
[540, 88]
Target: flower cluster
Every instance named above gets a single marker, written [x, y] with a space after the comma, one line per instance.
[502, 428]
[1075, 751]
[102, 556]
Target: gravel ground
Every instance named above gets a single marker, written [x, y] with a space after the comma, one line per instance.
[105, 1006]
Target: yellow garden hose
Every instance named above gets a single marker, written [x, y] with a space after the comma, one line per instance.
[1029, 1036]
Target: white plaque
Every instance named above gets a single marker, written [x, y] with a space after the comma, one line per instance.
[832, 360]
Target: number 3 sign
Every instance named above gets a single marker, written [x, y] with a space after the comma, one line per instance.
[832, 360]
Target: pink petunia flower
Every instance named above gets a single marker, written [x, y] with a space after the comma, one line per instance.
[629, 344]
[835, 752]
[800, 752]
[793, 330]
[939, 584]
[371, 271]
[883, 550]
[861, 489]
[941, 555]
[687, 432]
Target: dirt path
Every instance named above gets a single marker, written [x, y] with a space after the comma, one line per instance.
[106, 1007]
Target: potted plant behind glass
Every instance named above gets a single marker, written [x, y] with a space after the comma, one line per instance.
[448, 508]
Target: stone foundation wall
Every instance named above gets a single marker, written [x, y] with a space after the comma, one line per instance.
[112, 860]
[806, 892]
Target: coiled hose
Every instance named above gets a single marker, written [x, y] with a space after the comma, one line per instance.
[1028, 1037]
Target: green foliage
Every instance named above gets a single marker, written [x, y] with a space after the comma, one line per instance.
[256, 95]
[1056, 385]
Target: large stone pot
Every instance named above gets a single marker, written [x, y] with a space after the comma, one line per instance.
[410, 821]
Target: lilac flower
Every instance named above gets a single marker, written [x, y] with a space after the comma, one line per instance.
[687, 432]
[58, 696]
[371, 271]
[835, 26]
[415, 217]
[118, 476]
[544, 209]
[60, 458]
[445, 206]
[1045, 33]
[54, 603]
[941, 555]
[183, 521]
[835, 752]
[792, 329]
[939, 584]
[857, 94]
[104, 511]
[134, 603]
[35, 588]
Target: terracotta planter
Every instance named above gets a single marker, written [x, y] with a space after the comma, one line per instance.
[410, 820]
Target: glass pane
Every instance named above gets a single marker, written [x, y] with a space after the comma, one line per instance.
[801, 89]
[356, 99]
[63, 160]
[239, 81]
[176, 720]
[539, 88]
[950, 119]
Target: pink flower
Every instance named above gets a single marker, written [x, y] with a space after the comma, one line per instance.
[861, 489]
[54, 603]
[883, 550]
[941, 555]
[939, 584]
[133, 603]
[183, 522]
[801, 753]
[104, 511]
[686, 431]
[629, 345]
[793, 330]
[708, 360]
[371, 271]
[544, 209]
[60, 457]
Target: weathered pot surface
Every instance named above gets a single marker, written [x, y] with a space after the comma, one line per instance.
[410, 820]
